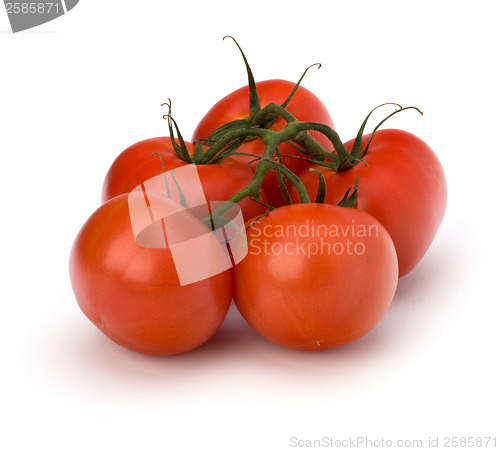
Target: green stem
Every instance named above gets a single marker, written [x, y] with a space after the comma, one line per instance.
[312, 147]
[211, 153]
[272, 109]
[326, 130]
[263, 167]
[267, 206]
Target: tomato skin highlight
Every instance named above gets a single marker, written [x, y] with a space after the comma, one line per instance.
[136, 164]
[315, 301]
[304, 106]
[132, 294]
[403, 186]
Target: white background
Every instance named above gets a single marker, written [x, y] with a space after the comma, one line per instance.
[76, 91]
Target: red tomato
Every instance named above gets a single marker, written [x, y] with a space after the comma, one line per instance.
[133, 294]
[136, 165]
[304, 106]
[402, 185]
[315, 276]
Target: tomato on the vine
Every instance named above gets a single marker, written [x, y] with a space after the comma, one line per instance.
[401, 183]
[157, 265]
[132, 293]
[304, 106]
[316, 276]
[136, 164]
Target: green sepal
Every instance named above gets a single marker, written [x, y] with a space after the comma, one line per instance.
[198, 152]
[320, 196]
[180, 149]
[268, 121]
[228, 151]
[252, 88]
[224, 129]
[350, 197]
[365, 150]
[285, 103]
[172, 173]
[167, 187]
[356, 147]
[313, 155]
[181, 194]
[283, 187]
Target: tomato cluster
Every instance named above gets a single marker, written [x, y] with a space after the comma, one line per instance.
[307, 234]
